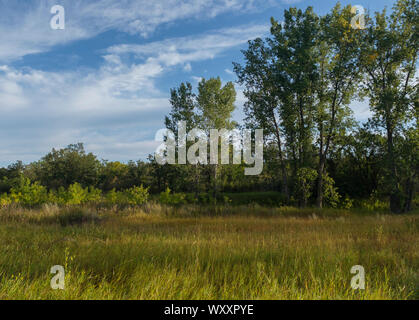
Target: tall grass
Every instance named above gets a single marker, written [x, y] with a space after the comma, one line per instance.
[189, 253]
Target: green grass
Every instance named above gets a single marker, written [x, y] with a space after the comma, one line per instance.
[254, 254]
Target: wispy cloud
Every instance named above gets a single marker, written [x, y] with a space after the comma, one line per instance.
[115, 110]
[188, 49]
[25, 28]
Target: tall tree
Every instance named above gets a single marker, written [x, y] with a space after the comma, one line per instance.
[184, 109]
[280, 76]
[265, 94]
[338, 76]
[216, 105]
[294, 43]
[389, 54]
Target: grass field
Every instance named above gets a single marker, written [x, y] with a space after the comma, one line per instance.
[271, 254]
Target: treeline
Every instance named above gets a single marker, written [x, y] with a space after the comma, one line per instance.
[299, 83]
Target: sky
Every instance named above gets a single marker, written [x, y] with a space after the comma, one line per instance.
[105, 79]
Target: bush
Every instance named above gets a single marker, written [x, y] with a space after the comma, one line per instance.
[94, 195]
[331, 195]
[305, 183]
[112, 197]
[5, 200]
[172, 199]
[375, 203]
[347, 203]
[76, 195]
[28, 194]
[137, 195]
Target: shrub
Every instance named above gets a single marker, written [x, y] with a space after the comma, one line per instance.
[28, 194]
[112, 197]
[5, 200]
[375, 203]
[94, 195]
[305, 182]
[76, 194]
[169, 198]
[331, 195]
[137, 195]
[347, 203]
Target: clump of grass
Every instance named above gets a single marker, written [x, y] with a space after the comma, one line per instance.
[76, 216]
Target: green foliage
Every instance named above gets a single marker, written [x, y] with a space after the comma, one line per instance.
[5, 200]
[374, 203]
[216, 104]
[330, 192]
[305, 183]
[94, 195]
[173, 199]
[131, 197]
[28, 194]
[298, 83]
[67, 166]
[347, 203]
[76, 194]
[112, 197]
[389, 56]
[137, 195]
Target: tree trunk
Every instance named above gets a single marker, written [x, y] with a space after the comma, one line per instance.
[196, 182]
[215, 191]
[410, 193]
[395, 201]
[320, 172]
[281, 159]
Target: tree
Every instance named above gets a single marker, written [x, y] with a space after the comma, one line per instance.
[279, 76]
[294, 43]
[113, 175]
[216, 105]
[184, 109]
[264, 94]
[61, 168]
[183, 102]
[338, 76]
[388, 57]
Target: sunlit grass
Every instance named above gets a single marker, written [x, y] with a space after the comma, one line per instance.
[158, 254]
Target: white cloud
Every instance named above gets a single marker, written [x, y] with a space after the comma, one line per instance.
[188, 49]
[115, 110]
[25, 28]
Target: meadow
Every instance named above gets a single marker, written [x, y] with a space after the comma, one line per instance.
[207, 252]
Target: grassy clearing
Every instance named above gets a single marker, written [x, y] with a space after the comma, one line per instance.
[257, 253]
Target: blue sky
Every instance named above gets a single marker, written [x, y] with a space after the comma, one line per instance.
[105, 79]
